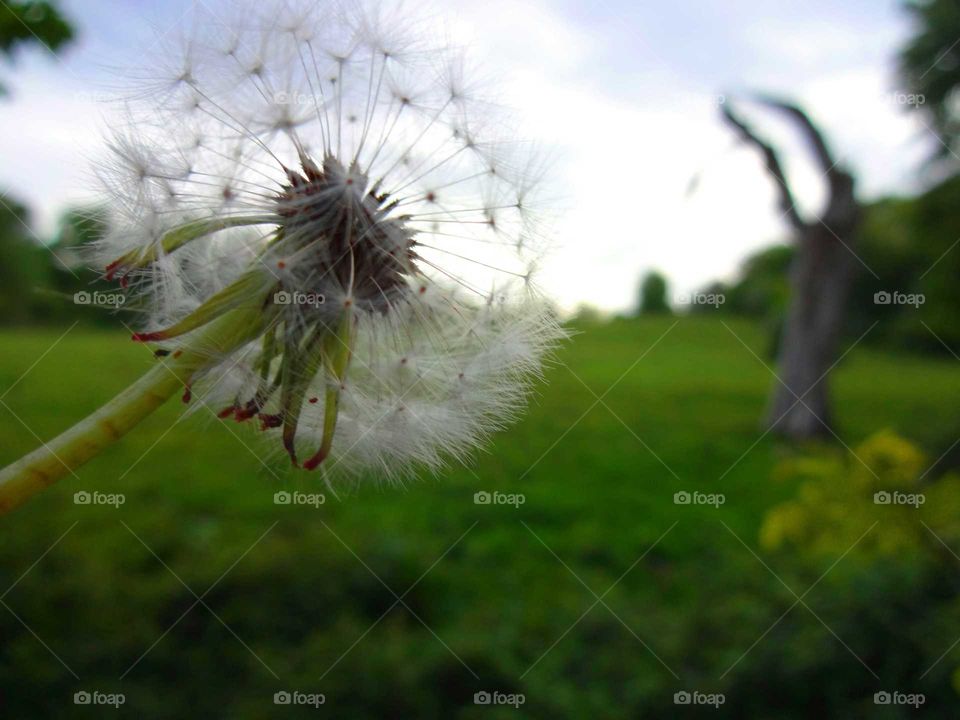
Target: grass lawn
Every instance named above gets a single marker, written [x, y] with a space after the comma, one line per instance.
[491, 597]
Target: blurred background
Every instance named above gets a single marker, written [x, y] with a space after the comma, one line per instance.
[738, 490]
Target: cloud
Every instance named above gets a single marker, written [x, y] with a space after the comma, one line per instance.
[629, 133]
[47, 133]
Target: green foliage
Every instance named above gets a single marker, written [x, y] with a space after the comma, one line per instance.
[888, 245]
[38, 279]
[586, 313]
[911, 244]
[24, 266]
[27, 22]
[653, 294]
[841, 494]
[885, 530]
[599, 498]
[937, 223]
[79, 227]
[762, 291]
[930, 66]
[763, 288]
[906, 246]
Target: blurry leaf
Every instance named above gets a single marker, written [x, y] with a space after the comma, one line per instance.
[31, 22]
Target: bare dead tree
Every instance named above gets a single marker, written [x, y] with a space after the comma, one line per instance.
[820, 277]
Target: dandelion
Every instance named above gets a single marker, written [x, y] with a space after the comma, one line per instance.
[335, 236]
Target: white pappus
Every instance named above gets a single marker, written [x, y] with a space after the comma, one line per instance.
[318, 197]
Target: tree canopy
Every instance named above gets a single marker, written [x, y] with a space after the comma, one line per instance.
[930, 67]
[30, 22]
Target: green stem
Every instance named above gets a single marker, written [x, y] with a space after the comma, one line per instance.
[88, 438]
[178, 237]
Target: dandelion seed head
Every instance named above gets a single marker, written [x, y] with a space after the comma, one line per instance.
[334, 165]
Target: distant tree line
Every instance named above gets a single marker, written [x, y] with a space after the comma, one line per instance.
[908, 278]
[46, 280]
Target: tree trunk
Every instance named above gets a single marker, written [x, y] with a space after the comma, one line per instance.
[819, 279]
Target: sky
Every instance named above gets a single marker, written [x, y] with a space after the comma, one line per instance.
[624, 96]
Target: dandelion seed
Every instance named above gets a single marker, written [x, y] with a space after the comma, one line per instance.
[334, 236]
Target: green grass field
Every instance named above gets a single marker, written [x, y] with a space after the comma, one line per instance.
[492, 597]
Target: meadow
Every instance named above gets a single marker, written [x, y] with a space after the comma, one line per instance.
[583, 587]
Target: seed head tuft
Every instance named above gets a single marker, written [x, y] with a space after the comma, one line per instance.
[331, 168]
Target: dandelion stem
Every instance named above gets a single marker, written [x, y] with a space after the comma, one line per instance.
[88, 438]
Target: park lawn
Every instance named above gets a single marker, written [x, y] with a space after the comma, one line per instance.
[633, 411]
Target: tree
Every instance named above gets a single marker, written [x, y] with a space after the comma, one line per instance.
[762, 289]
[24, 263]
[79, 228]
[930, 68]
[820, 277]
[653, 294]
[25, 22]
[24, 268]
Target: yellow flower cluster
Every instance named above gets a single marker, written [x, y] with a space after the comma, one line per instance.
[875, 498]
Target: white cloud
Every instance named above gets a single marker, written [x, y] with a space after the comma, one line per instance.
[46, 137]
[629, 136]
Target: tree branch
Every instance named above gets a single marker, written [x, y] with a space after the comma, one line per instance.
[835, 176]
[772, 162]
